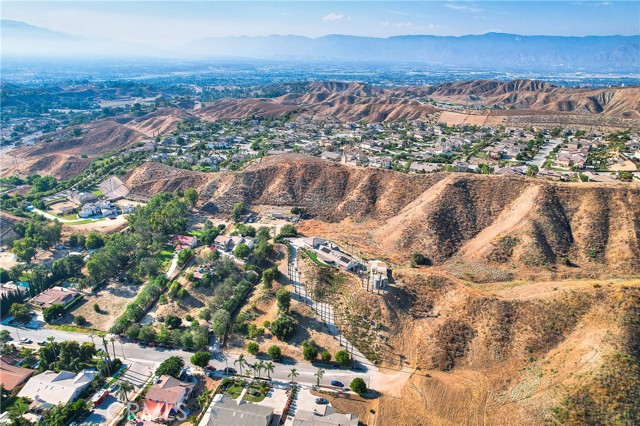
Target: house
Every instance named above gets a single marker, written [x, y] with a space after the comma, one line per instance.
[164, 399]
[324, 416]
[510, 171]
[12, 376]
[460, 166]
[224, 411]
[184, 242]
[57, 388]
[54, 296]
[424, 167]
[128, 208]
[223, 242]
[67, 210]
[81, 197]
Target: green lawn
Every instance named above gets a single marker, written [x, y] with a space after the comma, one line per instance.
[259, 390]
[97, 193]
[235, 388]
[84, 222]
[314, 257]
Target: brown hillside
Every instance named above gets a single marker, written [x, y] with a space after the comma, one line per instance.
[159, 122]
[483, 227]
[541, 96]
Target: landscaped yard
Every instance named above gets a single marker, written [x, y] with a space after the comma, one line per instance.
[314, 257]
[234, 387]
[257, 392]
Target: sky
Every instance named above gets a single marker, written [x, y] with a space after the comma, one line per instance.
[165, 23]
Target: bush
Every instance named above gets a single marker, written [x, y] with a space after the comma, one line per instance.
[52, 313]
[96, 308]
[343, 357]
[288, 231]
[274, 352]
[326, 356]
[283, 327]
[147, 333]
[79, 320]
[358, 385]
[133, 331]
[188, 317]
[266, 323]
[184, 256]
[172, 321]
[309, 350]
[419, 259]
[201, 359]
[253, 348]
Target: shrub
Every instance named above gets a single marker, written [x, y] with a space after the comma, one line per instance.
[253, 348]
[418, 259]
[79, 320]
[188, 317]
[201, 359]
[326, 356]
[274, 352]
[96, 308]
[172, 321]
[52, 313]
[133, 331]
[309, 350]
[343, 357]
[358, 385]
[266, 323]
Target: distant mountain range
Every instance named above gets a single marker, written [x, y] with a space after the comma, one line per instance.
[487, 51]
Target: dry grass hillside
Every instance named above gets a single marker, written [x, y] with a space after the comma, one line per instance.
[482, 228]
[537, 95]
[502, 359]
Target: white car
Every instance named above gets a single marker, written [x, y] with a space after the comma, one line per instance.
[26, 340]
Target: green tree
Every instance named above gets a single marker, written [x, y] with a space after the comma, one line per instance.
[171, 366]
[274, 352]
[358, 385]
[133, 331]
[147, 333]
[625, 176]
[20, 313]
[220, 322]
[172, 321]
[242, 251]
[24, 249]
[343, 357]
[240, 362]
[94, 241]
[269, 368]
[201, 359]
[309, 350]
[52, 313]
[283, 298]
[123, 391]
[418, 259]
[326, 356]
[268, 275]
[253, 348]
[191, 195]
[236, 212]
[288, 231]
[184, 255]
[319, 374]
[283, 327]
[294, 373]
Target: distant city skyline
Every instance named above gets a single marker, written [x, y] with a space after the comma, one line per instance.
[171, 23]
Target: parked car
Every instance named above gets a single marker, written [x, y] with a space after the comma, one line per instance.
[99, 397]
[321, 401]
[337, 384]
[229, 370]
[210, 368]
[114, 387]
[26, 340]
[42, 342]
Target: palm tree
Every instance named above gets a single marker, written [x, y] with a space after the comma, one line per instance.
[259, 367]
[106, 348]
[203, 399]
[293, 375]
[123, 391]
[113, 345]
[319, 374]
[50, 339]
[18, 409]
[269, 368]
[240, 362]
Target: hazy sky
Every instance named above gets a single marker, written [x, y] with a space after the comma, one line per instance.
[175, 22]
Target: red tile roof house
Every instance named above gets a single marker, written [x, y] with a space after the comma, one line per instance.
[184, 241]
[12, 377]
[163, 399]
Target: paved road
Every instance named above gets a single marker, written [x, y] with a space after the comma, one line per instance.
[59, 219]
[547, 147]
[136, 353]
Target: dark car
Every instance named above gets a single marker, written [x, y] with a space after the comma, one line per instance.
[229, 370]
[210, 368]
[337, 384]
[321, 401]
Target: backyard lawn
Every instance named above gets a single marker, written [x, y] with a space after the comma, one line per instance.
[257, 392]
